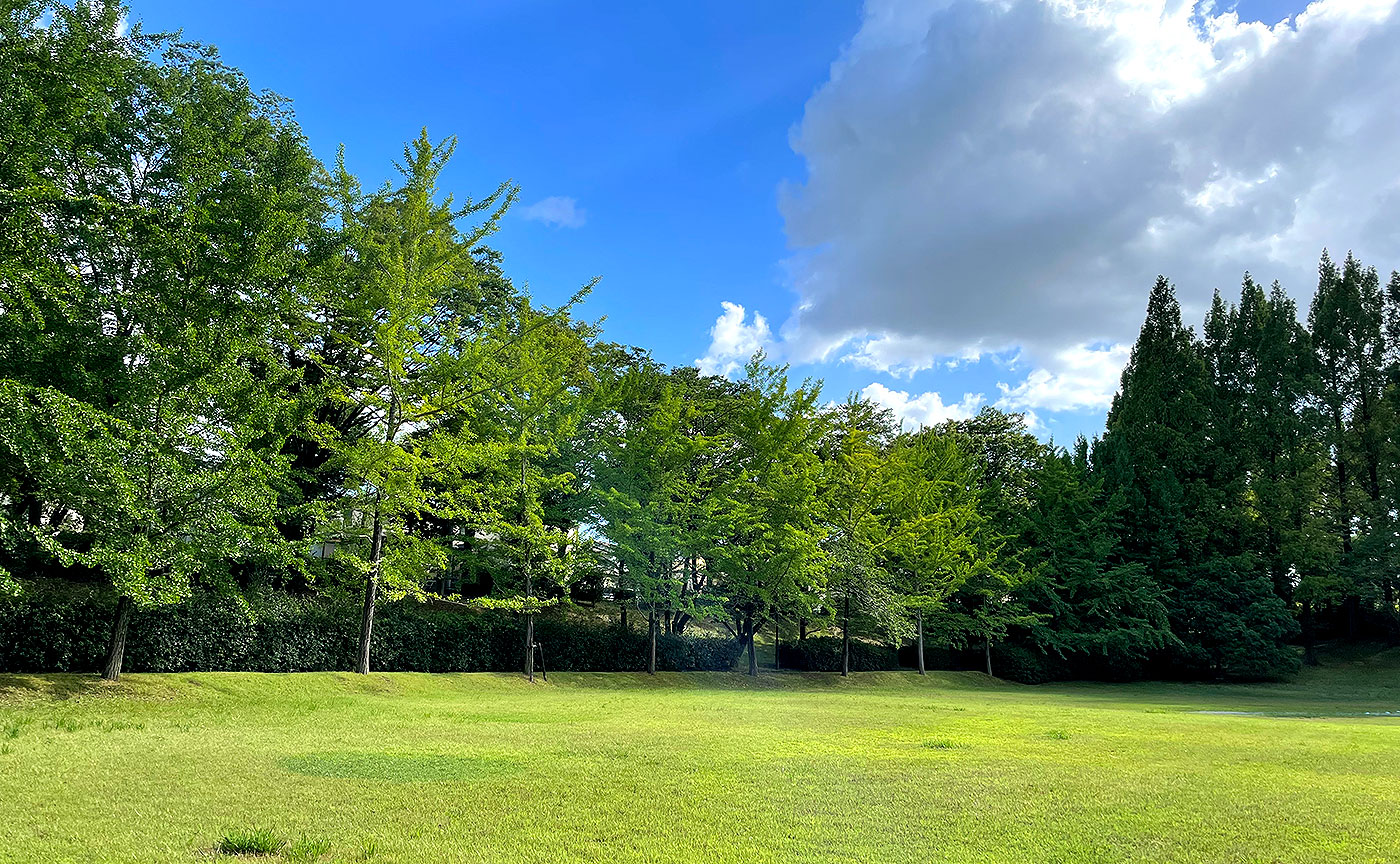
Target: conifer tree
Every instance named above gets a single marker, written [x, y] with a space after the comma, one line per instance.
[1183, 514]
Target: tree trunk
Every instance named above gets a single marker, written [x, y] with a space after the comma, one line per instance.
[623, 622]
[529, 627]
[753, 648]
[376, 555]
[846, 640]
[651, 630]
[801, 629]
[988, 652]
[1309, 650]
[777, 643]
[921, 643]
[116, 649]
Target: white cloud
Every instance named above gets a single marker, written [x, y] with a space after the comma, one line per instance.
[989, 176]
[905, 356]
[925, 409]
[557, 211]
[1083, 377]
[733, 340]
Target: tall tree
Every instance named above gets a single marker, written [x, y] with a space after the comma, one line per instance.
[1347, 321]
[934, 525]
[160, 213]
[407, 285]
[766, 536]
[1164, 453]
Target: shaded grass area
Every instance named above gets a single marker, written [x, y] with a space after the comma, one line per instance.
[699, 767]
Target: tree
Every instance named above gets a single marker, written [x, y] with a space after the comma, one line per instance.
[989, 602]
[407, 284]
[933, 524]
[641, 490]
[1091, 606]
[1347, 321]
[766, 538]
[1166, 453]
[159, 212]
[859, 487]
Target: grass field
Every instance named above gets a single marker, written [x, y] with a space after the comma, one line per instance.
[885, 767]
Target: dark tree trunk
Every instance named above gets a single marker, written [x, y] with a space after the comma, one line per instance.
[752, 630]
[987, 649]
[1309, 649]
[801, 629]
[777, 644]
[529, 627]
[116, 648]
[651, 631]
[846, 640]
[376, 554]
[921, 643]
[623, 621]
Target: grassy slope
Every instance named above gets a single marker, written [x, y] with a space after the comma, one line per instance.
[623, 768]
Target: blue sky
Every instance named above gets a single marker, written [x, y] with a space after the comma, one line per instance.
[672, 128]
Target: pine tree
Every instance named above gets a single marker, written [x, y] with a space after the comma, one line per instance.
[1164, 452]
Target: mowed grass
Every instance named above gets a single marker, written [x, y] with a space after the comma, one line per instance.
[885, 767]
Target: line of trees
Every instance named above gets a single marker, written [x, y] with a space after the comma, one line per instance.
[225, 366]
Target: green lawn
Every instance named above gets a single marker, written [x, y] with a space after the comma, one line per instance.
[700, 768]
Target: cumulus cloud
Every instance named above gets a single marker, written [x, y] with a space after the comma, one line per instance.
[733, 340]
[556, 211]
[925, 409]
[992, 175]
[1086, 377]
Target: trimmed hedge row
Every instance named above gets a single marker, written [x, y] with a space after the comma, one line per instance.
[823, 654]
[281, 633]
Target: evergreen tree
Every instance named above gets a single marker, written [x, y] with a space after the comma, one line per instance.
[1183, 517]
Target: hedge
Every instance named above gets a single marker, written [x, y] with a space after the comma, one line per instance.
[823, 654]
[45, 632]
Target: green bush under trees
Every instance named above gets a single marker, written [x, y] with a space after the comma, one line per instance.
[67, 632]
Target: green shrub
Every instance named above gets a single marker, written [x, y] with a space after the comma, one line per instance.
[255, 841]
[823, 654]
[276, 632]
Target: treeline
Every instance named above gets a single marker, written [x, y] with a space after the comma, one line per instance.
[227, 369]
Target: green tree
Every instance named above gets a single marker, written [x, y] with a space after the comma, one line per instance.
[406, 291]
[1183, 496]
[160, 214]
[1091, 606]
[933, 523]
[766, 548]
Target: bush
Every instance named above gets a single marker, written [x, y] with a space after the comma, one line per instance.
[257, 841]
[57, 632]
[823, 654]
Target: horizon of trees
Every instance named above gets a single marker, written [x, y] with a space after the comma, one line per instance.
[225, 366]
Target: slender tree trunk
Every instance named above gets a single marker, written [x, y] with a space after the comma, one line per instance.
[1309, 649]
[987, 649]
[846, 640]
[376, 555]
[753, 648]
[921, 643]
[651, 631]
[376, 548]
[116, 648]
[777, 644]
[529, 626]
[801, 629]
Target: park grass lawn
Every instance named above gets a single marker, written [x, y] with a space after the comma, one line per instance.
[885, 767]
